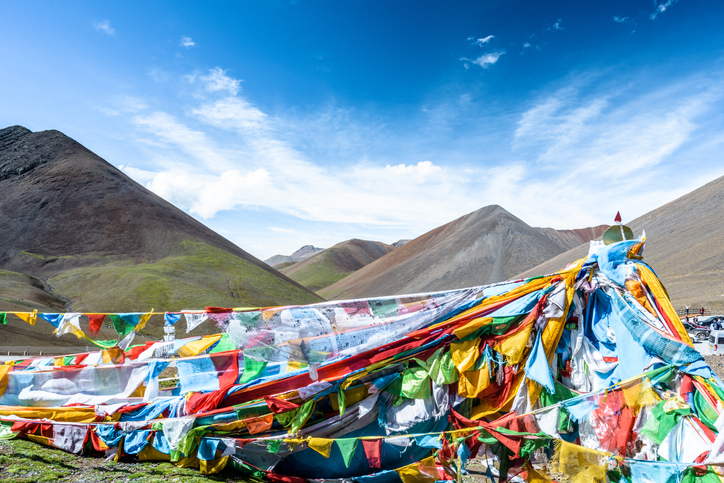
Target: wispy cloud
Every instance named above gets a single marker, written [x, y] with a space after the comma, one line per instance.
[485, 40]
[661, 8]
[556, 25]
[261, 169]
[187, 42]
[587, 145]
[618, 19]
[105, 27]
[487, 60]
[217, 80]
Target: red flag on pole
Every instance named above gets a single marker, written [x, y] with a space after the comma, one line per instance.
[618, 217]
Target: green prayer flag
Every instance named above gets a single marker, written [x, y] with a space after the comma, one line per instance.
[347, 447]
[252, 369]
[285, 419]
[3, 318]
[341, 401]
[562, 393]
[225, 344]
[442, 370]
[302, 415]
[273, 445]
[416, 383]
[123, 328]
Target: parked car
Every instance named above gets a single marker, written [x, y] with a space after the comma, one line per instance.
[698, 333]
[716, 341]
[707, 320]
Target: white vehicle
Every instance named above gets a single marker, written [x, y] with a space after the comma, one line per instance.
[716, 341]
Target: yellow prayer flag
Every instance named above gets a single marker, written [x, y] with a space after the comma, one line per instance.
[142, 321]
[583, 465]
[29, 317]
[472, 326]
[322, 446]
[212, 467]
[424, 471]
[4, 378]
[513, 347]
[472, 383]
[659, 293]
[465, 354]
[198, 346]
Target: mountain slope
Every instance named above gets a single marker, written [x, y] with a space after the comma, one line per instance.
[486, 246]
[572, 238]
[335, 263]
[685, 246]
[108, 244]
[302, 254]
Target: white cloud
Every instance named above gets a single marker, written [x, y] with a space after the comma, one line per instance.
[418, 173]
[661, 8]
[485, 40]
[168, 130]
[486, 60]
[187, 42]
[124, 104]
[205, 195]
[556, 25]
[105, 27]
[277, 229]
[217, 80]
[231, 113]
[565, 160]
[621, 19]
[140, 175]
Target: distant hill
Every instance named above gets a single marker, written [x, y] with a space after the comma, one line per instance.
[107, 244]
[486, 246]
[335, 263]
[286, 260]
[685, 246]
[399, 243]
[572, 238]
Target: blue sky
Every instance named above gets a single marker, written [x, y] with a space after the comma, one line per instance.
[280, 124]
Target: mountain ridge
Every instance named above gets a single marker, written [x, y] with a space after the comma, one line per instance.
[68, 215]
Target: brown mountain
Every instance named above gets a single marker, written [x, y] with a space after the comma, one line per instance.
[105, 243]
[572, 238]
[486, 246]
[335, 263]
[685, 246]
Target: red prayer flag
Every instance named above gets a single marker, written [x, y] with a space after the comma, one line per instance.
[95, 321]
[618, 217]
[372, 451]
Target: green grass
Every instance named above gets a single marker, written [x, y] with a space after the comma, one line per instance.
[318, 275]
[25, 462]
[198, 276]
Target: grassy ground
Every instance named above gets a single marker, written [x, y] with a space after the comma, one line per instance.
[318, 275]
[25, 462]
[198, 276]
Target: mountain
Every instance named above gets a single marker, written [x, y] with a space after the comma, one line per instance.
[107, 244]
[302, 254]
[399, 243]
[572, 238]
[486, 246]
[685, 246]
[335, 263]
